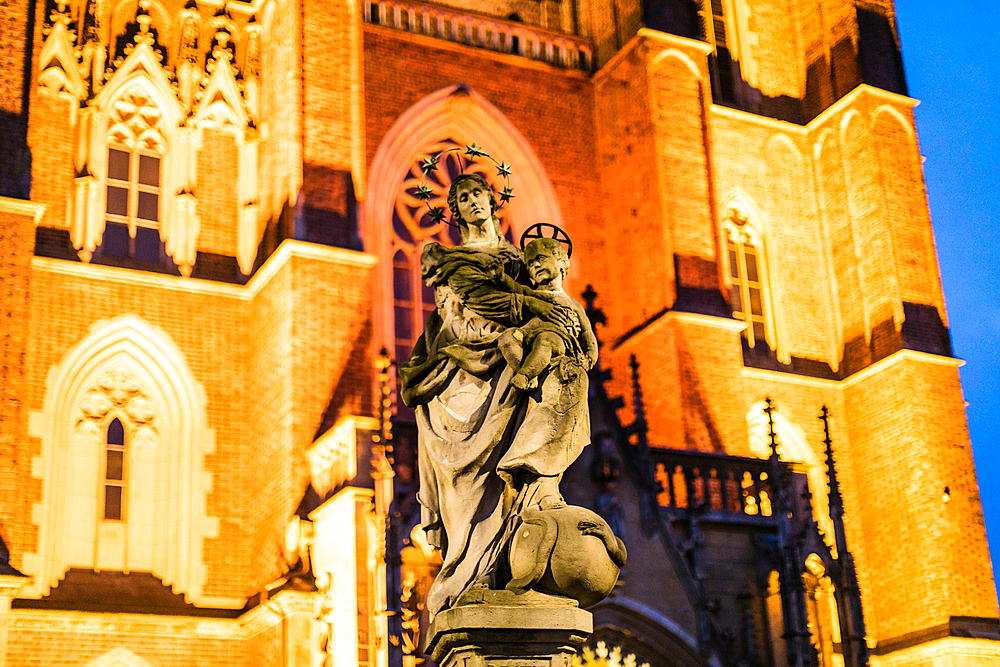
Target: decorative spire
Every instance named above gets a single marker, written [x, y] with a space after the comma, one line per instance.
[594, 314]
[190, 29]
[223, 47]
[251, 62]
[771, 434]
[836, 500]
[60, 15]
[144, 20]
[852, 616]
[90, 31]
[381, 459]
[638, 406]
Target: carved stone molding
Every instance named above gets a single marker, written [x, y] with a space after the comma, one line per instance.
[11, 585]
[333, 457]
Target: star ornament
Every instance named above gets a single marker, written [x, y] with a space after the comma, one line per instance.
[506, 195]
[424, 193]
[503, 169]
[473, 151]
[429, 164]
[437, 214]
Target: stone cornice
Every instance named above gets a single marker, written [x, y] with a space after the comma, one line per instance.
[22, 207]
[11, 584]
[286, 251]
[860, 376]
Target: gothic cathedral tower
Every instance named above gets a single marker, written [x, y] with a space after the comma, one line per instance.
[209, 231]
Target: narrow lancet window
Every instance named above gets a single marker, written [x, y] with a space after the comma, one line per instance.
[114, 472]
[747, 286]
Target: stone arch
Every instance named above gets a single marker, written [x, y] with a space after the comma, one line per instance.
[793, 447]
[125, 364]
[677, 54]
[846, 122]
[739, 198]
[119, 657]
[898, 117]
[140, 75]
[787, 142]
[907, 215]
[678, 88]
[652, 636]
[867, 209]
[795, 240]
[460, 113]
[839, 243]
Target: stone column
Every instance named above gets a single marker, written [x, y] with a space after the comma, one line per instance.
[498, 635]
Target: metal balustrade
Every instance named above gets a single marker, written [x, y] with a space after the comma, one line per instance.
[483, 32]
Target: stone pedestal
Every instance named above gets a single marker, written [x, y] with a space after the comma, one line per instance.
[501, 632]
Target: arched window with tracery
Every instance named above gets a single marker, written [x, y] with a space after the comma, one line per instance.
[748, 292]
[114, 472]
[413, 228]
[136, 149]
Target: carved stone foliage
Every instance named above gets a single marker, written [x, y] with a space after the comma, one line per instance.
[420, 564]
[603, 655]
[118, 392]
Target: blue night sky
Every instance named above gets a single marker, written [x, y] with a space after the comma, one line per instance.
[952, 59]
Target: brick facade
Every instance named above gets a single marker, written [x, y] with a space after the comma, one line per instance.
[644, 161]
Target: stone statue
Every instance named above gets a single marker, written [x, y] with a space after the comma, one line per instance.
[549, 546]
[547, 263]
[498, 381]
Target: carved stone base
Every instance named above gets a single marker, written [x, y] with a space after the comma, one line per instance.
[514, 633]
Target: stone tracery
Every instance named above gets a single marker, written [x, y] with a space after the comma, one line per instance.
[117, 393]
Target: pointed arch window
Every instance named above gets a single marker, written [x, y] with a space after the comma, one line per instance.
[748, 294]
[114, 472]
[133, 187]
[723, 69]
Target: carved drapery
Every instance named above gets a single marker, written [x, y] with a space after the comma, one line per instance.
[413, 228]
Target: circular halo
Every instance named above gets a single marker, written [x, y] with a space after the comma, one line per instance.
[430, 164]
[537, 231]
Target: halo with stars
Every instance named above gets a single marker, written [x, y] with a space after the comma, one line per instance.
[471, 152]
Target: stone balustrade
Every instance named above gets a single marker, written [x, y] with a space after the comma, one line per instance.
[724, 484]
[554, 48]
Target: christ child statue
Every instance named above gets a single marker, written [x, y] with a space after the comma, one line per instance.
[530, 348]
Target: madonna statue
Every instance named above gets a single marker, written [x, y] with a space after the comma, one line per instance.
[488, 450]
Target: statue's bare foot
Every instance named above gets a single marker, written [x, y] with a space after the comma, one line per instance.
[524, 382]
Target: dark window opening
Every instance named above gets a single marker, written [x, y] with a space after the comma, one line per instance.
[114, 471]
